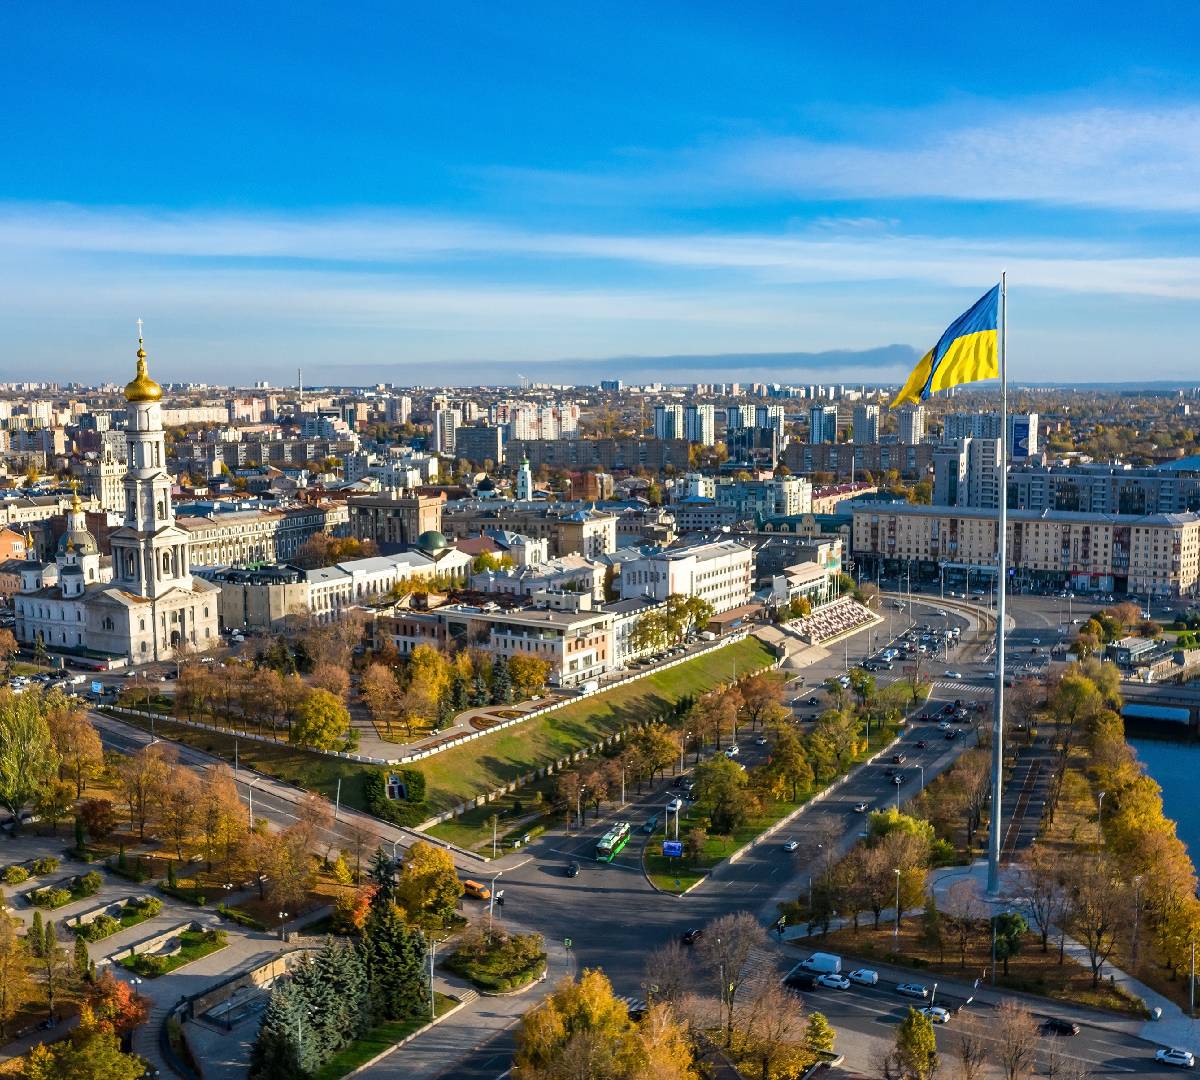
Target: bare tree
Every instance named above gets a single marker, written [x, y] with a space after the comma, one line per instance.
[1017, 1036]
[1098, 908]
[969, 1047]
[1043, 891]
[668, 973]
[725, 952]
[962, 910]
[773, 1028]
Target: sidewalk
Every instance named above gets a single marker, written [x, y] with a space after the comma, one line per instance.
[1173, 1026]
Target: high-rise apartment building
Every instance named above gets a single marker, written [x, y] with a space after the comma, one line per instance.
[866, 423]
[446, 423]
[911, 423]
[822, 424]
[739, 417]
[668, 421]
[700, 424]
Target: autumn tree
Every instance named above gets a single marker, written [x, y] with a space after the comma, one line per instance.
[724, 951]
[529, 675]
[290, 868]
[428, 888]
[117, 1004]
[970, 1045]
[915, 1055]
[141, 776]
[78, 745]
[773, 1031]
[381, 694]
[321, 721]
[177, 800]
[332, 678]
[28, 758]
[16, 985]
[219, 813]
[1098, 908]
[1016, 1034]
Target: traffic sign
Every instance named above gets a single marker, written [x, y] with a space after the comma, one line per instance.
[673, 849]
[566, 943]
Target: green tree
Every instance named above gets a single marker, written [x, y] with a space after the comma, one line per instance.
[28, 759]
[321, 721]
[933, 933]
[819, 1034]
[1009, 927]
[428, 887]
[395, 962]
[81, 963]
[790, 762]
[915, 1054]
[91, 1052]
[722, 793]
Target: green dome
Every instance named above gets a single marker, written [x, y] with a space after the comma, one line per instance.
[431, 541]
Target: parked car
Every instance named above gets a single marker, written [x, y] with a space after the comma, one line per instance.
[823, 963]
[936, 1014]
[833, 982]
[1183, 1059]
[913, 990]
[791, 845]
[1054, 1025]
[951, 735]
[690, 937]
[864, 977]
[799, 979]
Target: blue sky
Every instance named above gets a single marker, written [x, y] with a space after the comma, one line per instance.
[402, 190]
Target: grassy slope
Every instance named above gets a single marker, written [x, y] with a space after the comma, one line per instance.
[485, 764]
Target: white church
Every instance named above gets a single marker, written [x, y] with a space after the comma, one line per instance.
[148, 605]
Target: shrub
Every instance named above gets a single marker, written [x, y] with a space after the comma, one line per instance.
[146, 906]
[45, 864]
[87, 884]
[50, 898]
[14, 875]
[240, 917]
[100, 927]
[406, 812]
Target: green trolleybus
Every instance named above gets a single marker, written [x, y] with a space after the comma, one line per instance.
[612, 841]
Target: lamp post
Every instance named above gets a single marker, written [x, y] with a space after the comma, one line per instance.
[1100, 816]
[250, 797]
[579, 806]
[896, 932]
[492, 898]
[683, 747]
[282, 918]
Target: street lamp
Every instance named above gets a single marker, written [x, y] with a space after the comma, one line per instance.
[896, 933]
[250, 797]
[282, 918]
[492, 898]
[683, 747]
[1100, 816]
[579, 806]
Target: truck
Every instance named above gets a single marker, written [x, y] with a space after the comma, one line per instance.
[707, 635]
[823, 963]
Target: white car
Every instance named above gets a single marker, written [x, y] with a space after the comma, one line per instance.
[833, 982]
[1036, 641]
[864, 977]
[761, 741]
[953, 674]
[860, 808]
[791, 845]
[674, 806]
[936, 1014]
[733, 751]
[1184, 1059]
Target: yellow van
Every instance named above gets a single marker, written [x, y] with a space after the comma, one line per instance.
[477, 890]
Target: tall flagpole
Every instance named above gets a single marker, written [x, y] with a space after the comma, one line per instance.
[996, 832]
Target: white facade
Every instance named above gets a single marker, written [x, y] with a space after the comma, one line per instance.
[721, 573]
[700, 424]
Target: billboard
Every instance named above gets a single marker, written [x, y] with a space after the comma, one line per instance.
[673, 849]
[97, 687]
[1020, 437]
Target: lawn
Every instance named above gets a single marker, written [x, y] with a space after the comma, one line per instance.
[194, 944]
[1030, 971]
[317, 772]
[485, 764]
[375, 1042]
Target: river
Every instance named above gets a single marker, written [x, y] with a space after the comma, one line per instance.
[1175, 766]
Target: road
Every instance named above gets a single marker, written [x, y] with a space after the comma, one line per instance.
[612, 914]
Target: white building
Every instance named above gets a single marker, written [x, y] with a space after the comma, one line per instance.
[153, 606]
[668, 421]
[866, 423]
[721, 572]
[700, 424]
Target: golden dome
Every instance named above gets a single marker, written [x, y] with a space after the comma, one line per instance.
[143, 388]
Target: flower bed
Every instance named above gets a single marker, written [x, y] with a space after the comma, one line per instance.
[65, 892]
[133, 911]
[193, 944]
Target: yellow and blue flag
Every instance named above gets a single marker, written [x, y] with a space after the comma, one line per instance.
[966, 352]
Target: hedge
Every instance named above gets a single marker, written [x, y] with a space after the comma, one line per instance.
[407, 812]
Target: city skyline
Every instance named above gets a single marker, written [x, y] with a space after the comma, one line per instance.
[499, 192]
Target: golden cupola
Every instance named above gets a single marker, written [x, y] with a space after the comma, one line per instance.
[143, 388]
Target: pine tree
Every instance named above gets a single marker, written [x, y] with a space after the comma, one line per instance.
[480, 694]
[276, 1054]
[458, 692]
[37, 934]
[81, 962]
[932, 934]
[394, 960]
[383, 875]
[502, 691]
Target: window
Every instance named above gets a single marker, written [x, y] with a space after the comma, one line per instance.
[141, 624]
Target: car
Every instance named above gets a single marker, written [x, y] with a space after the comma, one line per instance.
[573, 869]
[791, 845]
[690, 937]
[860, 808]
[761, 741]
[1054, 1025]
[799, 980]
[733, 751]
[936, 1014]
[950, 735]
[650, 824]
[864, 977]
[898, 759]
[1174, 1055]
[833, 982]
[813, 701]
[921, 744]
[674, 806]
[953, 674]
[897, 779]
[1036, 641]
[944, 726]
[913, 990]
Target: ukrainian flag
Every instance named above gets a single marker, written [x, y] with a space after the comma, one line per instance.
[966, 352]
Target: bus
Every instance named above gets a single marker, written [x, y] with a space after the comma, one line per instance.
[612, 841]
